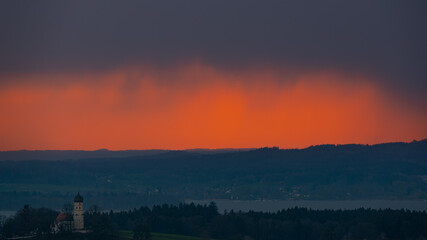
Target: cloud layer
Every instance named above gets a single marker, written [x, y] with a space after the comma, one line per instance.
[385, 39]
[186, 74]
[138, 109]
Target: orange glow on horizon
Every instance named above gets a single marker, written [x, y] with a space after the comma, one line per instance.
[197, 106]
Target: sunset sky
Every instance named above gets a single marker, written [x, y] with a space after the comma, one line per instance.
[211, 74]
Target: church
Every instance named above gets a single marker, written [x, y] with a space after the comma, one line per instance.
[68, 222]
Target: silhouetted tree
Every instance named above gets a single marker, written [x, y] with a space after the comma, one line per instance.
[141, 232]
[29, 221]
[101, 226]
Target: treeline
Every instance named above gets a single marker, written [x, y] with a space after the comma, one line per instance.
[297, 223]
[36, 223]
[207, 223]
[28, 221]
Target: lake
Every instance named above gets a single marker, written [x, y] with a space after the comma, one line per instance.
[7, 213]
[275, 205]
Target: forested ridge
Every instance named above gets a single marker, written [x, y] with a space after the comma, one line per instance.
[327, 172]
[206, 222]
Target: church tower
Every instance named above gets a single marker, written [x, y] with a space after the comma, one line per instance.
[78, 212]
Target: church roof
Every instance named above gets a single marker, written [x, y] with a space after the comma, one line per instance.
[78, 198]
[63, 217]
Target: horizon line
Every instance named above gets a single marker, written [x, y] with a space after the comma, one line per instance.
[211, 149]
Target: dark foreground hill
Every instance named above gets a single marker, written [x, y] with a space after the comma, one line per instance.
[205, 222]
[384, 171]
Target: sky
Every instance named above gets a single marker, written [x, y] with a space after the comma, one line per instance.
[211, 74]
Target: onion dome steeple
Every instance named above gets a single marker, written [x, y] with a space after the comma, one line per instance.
[78, 198]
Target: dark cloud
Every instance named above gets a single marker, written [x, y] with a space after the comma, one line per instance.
[386, 39]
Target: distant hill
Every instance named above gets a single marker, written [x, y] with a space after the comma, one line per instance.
[54, 155]
[126, 179]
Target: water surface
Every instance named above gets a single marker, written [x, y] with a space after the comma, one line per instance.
[7, 213]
